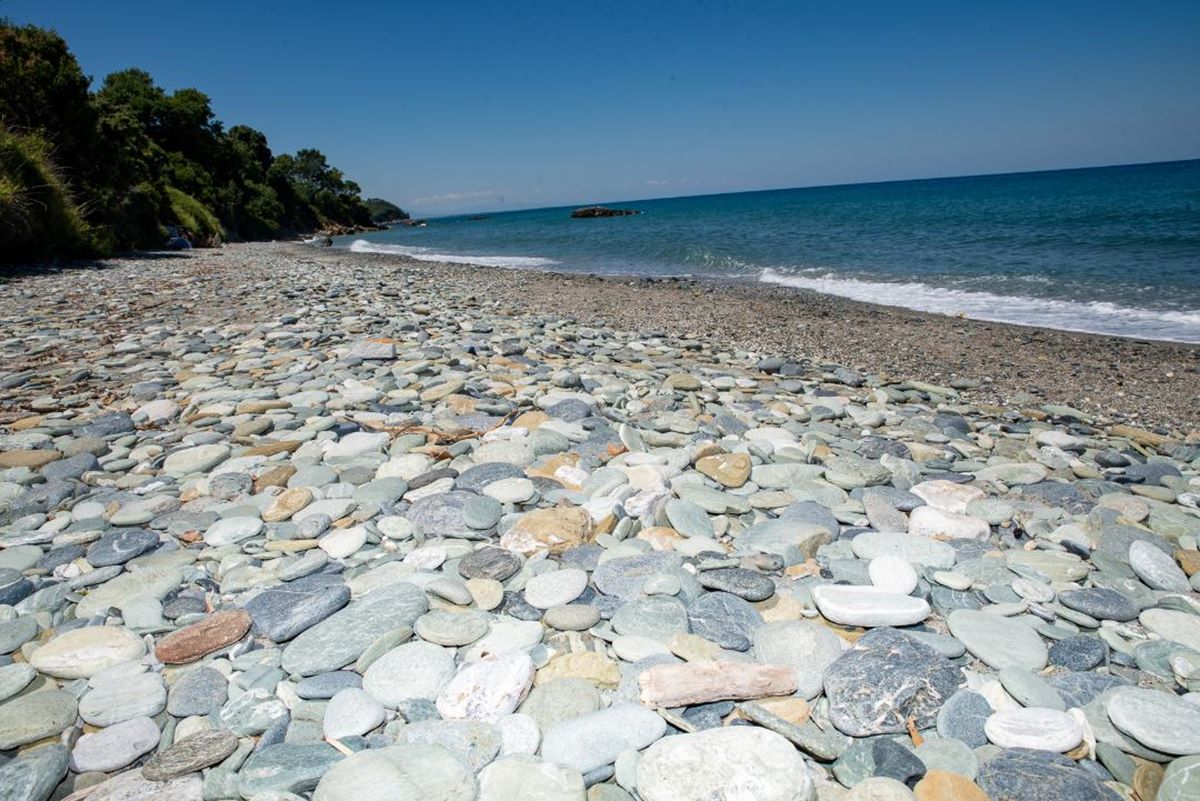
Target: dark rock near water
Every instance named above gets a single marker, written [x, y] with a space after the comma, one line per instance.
[601, 211]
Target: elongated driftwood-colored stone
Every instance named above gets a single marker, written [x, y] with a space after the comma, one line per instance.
[665, 686]
[211, 634]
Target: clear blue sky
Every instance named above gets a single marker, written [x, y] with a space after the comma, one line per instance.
[447, 107]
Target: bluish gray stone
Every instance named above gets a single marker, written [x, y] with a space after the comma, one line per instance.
[963, 716]
[281, 613]
[326, 685]
[1100, 603]
[725, 619]
[1020, 773]
[625, 576]
[1079, 653]
[339, 639]
[884, 680]
[33, 775]
[286, 768]
[119, 546]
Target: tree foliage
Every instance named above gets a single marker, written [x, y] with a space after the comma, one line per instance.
[383, 211]
[118, 165]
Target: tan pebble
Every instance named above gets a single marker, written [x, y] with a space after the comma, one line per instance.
[942, 785]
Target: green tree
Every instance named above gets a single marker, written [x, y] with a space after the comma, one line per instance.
[43, 90]
[110, 169]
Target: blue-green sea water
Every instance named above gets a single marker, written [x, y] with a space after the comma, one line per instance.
[1113, 250]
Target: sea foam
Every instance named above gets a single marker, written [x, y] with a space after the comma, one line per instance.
[425, 254]
[1095, 317]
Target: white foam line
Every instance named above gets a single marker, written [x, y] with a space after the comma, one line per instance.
[424, 254]
[1097, 317]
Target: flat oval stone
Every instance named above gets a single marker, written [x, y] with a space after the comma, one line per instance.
[190, 754]
[1039, 776]
[1100, 602]
[138, 695]
[1180, 627]
[343, 636]
[412, 670]
[594, 740]
[1158, 720]
[868, 606]
[232, 530]
[1030, 689]
[571, 617]
[118, 547]
[746, 584]
[201, 691]
[202, 638]
[885, 680]
[199, 459]
[555, 588]
[285, 768]
[735, 762]
[482, 512]
[114, 747]
[283, 613]
[1158, 570]
[351, 712]
[490, 562]
[81, 653]
[804, 646]
[725, 619]
[15, 633]
[33, 775]
[399, 773]
[514, 777]
[14, 678]
[999, 642]
[33, 717]
[1040, 729]
[1181, 782]
[658, 617]
[452, 629]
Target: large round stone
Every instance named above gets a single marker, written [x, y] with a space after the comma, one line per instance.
[594, 740]
[806, 647]
[36, 716]
[886, 680]
[409, 671]
[1158, 720]
[398, 773]
[999, 642]
[740, 763]
[81, 653]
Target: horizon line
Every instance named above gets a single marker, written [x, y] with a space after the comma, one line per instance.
[582, 204]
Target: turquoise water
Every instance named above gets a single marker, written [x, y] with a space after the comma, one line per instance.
[1112, 250]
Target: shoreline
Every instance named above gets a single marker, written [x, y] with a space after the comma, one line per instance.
[1154, 382]
[1147, 383]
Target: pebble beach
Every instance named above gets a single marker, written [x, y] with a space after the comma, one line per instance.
[280, 523]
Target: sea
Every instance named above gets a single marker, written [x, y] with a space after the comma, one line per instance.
[1108, 250]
